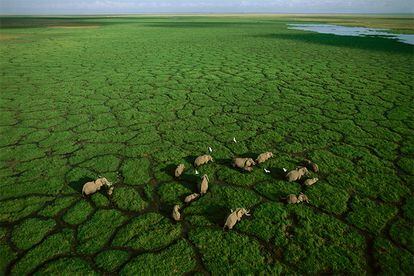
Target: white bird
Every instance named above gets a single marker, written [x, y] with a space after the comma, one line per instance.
[284, 170]
[196, 172]
[234, 140]
[210, 149]
[266, 171]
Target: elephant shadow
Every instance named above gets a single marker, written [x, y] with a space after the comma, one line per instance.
[170, 170]
[190, 159]
[278, 173]
[216, 214]
[78, 184]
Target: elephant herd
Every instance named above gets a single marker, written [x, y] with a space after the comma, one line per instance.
[244, 164]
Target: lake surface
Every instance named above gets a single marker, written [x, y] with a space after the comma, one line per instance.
[352, 31]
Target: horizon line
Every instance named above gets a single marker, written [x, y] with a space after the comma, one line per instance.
[206, 13]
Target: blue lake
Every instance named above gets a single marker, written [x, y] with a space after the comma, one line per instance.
[352, 31]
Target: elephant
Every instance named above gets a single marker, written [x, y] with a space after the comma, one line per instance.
[191, 197]
[264, 157]
[234, 217]
[310, 181]
[244, 163]
[296, 174]
[311, 165]
[292, 199]
[303, 198]
[94, 186]
[204, 184]
[179, 170]
[203, 159]
[176, 213]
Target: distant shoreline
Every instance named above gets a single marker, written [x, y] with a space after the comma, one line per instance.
[208, 14]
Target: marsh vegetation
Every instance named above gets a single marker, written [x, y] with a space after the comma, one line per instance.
[130, 98]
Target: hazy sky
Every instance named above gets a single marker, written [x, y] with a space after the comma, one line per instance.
[219, 6]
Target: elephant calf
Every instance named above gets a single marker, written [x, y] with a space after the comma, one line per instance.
[310, 181]
[179, 170]
[244, 163]
[264, 157]
[234, 217]
[296, 174]
[203, 159]
[94, 186]
[303, 198]
[293, 199]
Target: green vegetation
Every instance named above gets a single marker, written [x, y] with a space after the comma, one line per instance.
[66, 266]
[78, 213]
[328, 197]
[111, 260]
[128, 98]
[393, 260]
[15, 209]
[369, 215]
[7, 255]
[126, 198]
[147, 232]
[176, 259]
[271, 222]
[228, 252]
[58, 205]
[31, 231]
[173, 193]
[321, 243]
[93, 234]
[54, 245]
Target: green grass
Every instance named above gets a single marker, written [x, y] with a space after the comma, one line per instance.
[31, 232]
[177, 259]
[129, 98]
[78, 213]
[111, 260]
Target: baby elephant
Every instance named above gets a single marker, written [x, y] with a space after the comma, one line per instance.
[297, 174]
[191, 197]
[176, 213]
[303, 198]
[204, 184]
[94, 186]
[293, 199]
[234, 217]
[244, 163]
[179, 170]
[263, 157]
[310, 181]
[203, 159]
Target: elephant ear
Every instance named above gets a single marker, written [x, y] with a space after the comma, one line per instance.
[101, 181]
[239, 213]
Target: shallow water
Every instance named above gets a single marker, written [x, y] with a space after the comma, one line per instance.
[352, 31]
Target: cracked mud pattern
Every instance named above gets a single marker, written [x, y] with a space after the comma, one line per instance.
[132, 97]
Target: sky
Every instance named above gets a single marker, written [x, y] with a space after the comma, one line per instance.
[26, 7]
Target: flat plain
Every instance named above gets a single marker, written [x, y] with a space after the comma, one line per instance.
[129, 98]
